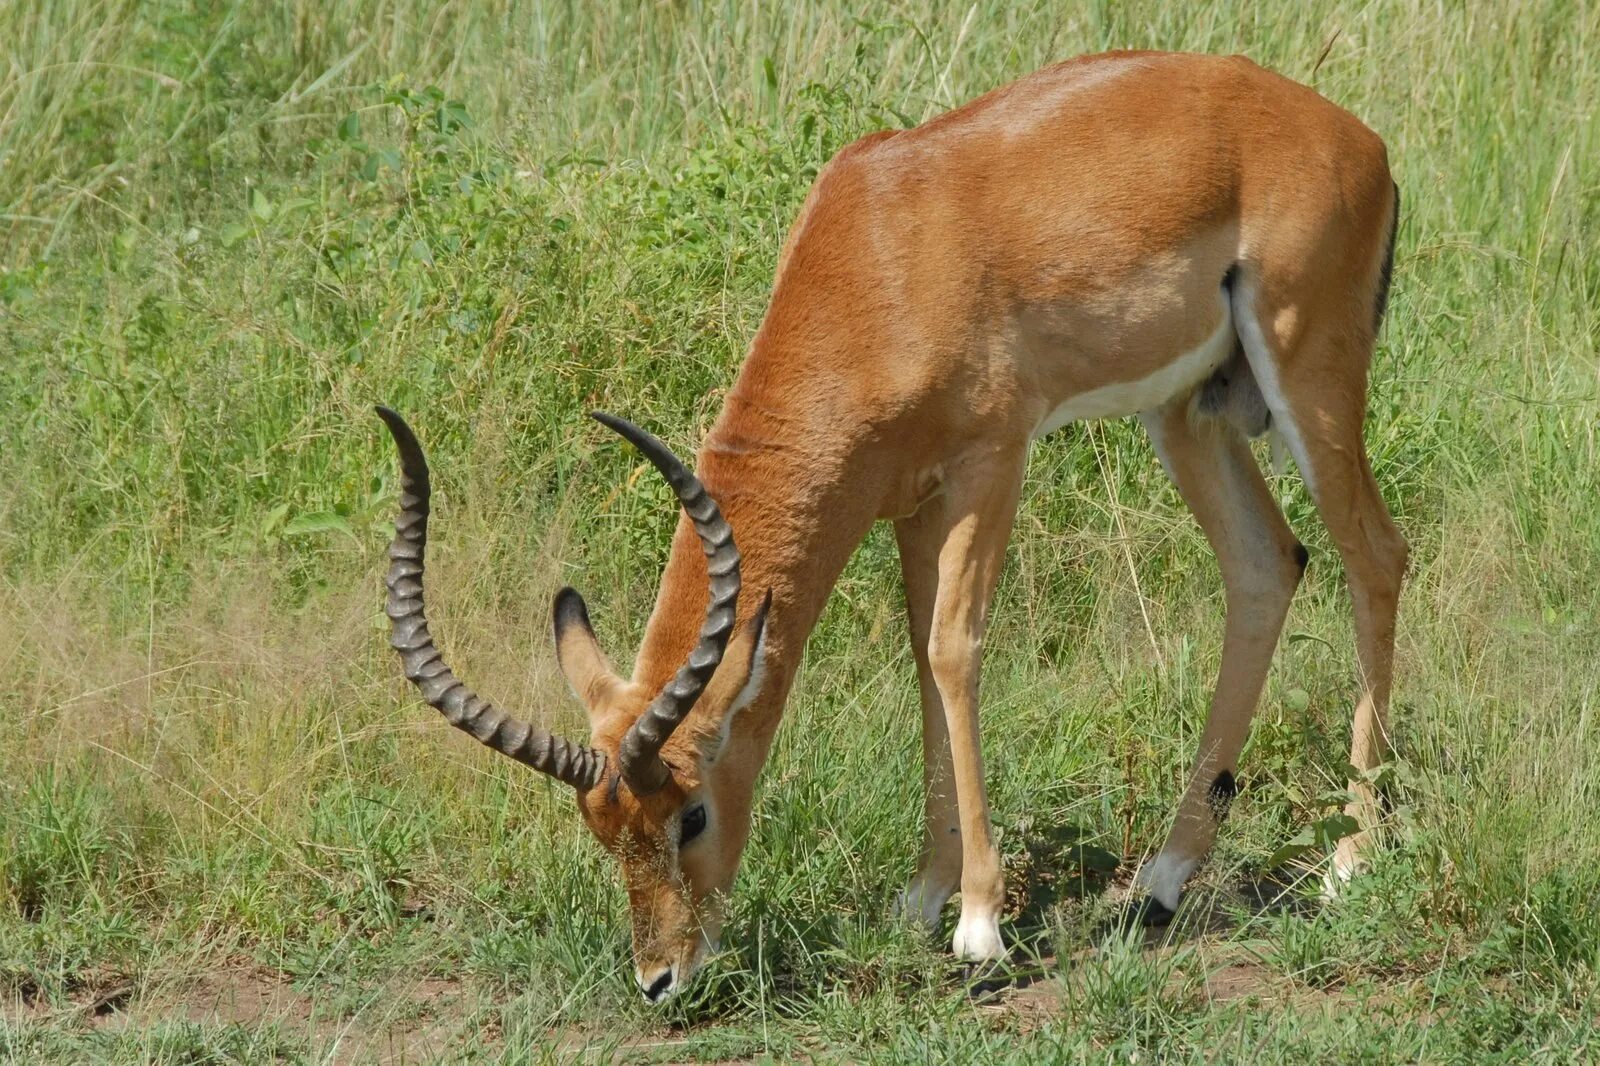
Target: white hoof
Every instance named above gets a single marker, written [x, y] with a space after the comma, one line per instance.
[977, 938]
[1162, 878]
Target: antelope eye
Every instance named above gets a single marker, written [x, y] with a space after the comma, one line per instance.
[692, 823]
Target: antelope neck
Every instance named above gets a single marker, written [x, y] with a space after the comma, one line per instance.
[795, 527]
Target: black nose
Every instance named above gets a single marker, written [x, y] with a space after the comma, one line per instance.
[659, 986]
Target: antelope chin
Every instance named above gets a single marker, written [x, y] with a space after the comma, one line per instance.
[704, 950]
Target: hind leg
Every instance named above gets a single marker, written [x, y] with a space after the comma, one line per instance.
[1314, 379]
[1261, 563]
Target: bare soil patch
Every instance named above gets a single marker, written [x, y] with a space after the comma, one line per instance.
[409, 1020]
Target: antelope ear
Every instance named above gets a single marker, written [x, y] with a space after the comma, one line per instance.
[578, 652]
[738, 681]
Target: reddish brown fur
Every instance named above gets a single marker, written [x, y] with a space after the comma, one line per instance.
[943, 290]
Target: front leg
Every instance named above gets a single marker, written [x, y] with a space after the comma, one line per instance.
[939, 871]
[967, 526]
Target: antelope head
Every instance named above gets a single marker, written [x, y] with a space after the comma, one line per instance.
[649, 783]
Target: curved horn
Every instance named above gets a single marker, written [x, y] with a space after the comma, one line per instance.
[640, 751]
[563, 760]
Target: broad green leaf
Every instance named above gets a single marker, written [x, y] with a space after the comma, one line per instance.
[274, 518]
[317, 522]
[1295, 847]
[1334, 828]
[298, 203]
[452, 115]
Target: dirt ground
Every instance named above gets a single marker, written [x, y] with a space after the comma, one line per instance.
[424, 1020]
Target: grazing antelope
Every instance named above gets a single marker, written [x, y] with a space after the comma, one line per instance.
[1190, 239]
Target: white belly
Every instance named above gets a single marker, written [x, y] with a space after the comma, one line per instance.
[1174, 378]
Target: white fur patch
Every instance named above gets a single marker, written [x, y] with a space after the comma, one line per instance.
[1342, 869]
[644, 982]
[923, 901]
[1149, 392]
[1163, 878]
[758, 675]
[977, 936]
[747, 694]
[1263, 364]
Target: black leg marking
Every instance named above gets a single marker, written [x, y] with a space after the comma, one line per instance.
[1386, 274]
[1223, 789]
[1301, 556]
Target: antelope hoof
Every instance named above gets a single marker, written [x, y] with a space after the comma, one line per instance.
[1162, 880]
[1346, 863]
[977, 938]
[1146, 913]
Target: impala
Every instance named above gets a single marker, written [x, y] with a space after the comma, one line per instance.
[1190, 239]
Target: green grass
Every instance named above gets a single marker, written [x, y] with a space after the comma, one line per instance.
[225, 231]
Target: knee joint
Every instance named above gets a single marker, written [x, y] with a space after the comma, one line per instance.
[1402, 557]
[1292, 567]
[1384, 569]
[952, 659]
[1271, 577]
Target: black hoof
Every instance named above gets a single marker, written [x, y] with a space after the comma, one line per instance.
[1147, 913]
[985, 980]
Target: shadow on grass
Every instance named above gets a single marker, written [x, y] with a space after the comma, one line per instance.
[1062, 888]
[1061, 865]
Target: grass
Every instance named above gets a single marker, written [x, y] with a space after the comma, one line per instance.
[225, 230]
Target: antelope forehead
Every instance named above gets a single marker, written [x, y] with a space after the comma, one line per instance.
[615, 816]
[609, 824]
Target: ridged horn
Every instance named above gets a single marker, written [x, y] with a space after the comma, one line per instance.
[578, 766]
[640, 751]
